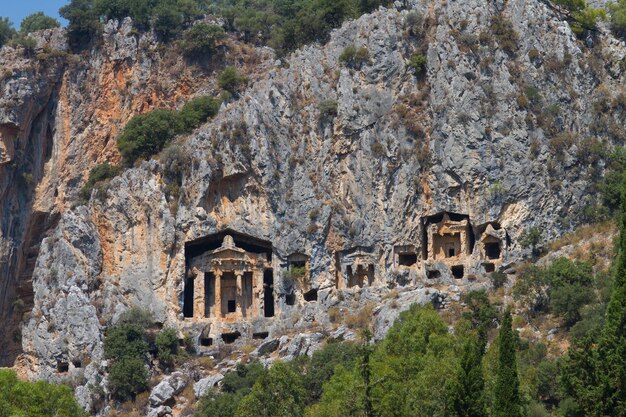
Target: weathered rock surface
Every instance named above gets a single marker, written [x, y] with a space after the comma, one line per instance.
[202, 386]
[167, 389]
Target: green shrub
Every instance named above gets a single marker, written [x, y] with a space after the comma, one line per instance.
[29, 44]
[126, 346]
[197, 111]
[83, 23]
[35, 399]
[243, 378]
[218, 404]
[618, 16]
[530, 239]
[498, 279]
[295, 272]
[482, 314]
[7, 31]
[146, 134]
[354, 57]
[231, 80]
[201, 39]
[414, 22]
[278, 392]
[418, 62]
[98, 174]
[581, 17]
[167, 345]
[328, 108]
[135, 315]
[125, 340]
[127, 377]
[167, 21]
[322, 366]
[38, 21]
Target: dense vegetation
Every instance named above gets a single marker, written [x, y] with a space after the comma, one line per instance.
[129, 345]
[147, 134]
[35, 399]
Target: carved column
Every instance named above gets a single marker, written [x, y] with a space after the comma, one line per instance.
[239, 297]
[218, 293]
[257, 288]
[198, 294]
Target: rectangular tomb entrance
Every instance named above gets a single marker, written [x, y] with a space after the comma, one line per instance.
[228, 282]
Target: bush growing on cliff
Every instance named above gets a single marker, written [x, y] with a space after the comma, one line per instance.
[618, 16]
[7, 31]
[38, 21]
[201, 40]
[231, 80]
[146, 134]
[99, 173]
[197, 111]
[581, 17]
[354, 57]
[126, 346]
[83, 22]
[418, 63]
[167, 346]
[35, 399]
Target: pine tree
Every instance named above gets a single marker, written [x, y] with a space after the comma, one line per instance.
[611, 366]
[507, 401]
[469, 400]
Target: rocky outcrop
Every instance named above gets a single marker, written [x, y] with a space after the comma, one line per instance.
[59, 116]
[322, 159]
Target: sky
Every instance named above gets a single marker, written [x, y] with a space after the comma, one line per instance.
[16, 10]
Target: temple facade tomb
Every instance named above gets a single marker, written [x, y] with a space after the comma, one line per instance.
[229, 284]
[448, 236]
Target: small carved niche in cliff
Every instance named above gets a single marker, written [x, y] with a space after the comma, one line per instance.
[206, 341]
[62, 367]
[77, 363]
[290, 299]
[260, 335]
[457, 271]
[406, 255]
[310, 295]
[492, 250]
[432, 274]
[489, 267]
[229, 338]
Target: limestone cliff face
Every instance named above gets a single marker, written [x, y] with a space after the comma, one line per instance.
[496, 130]
[59, 116]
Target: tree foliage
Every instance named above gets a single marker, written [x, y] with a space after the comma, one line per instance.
[277, 393]
[201, 40]
[618, 16]
[146, 134]
[611, 350]
[564, 288]
[7, 31]
[197, 111]
[507, 396]
[38, 21]
[35, 399]
[99, 173]
[83, 22]
[167, 345]
[126, 346]
[231, 80]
